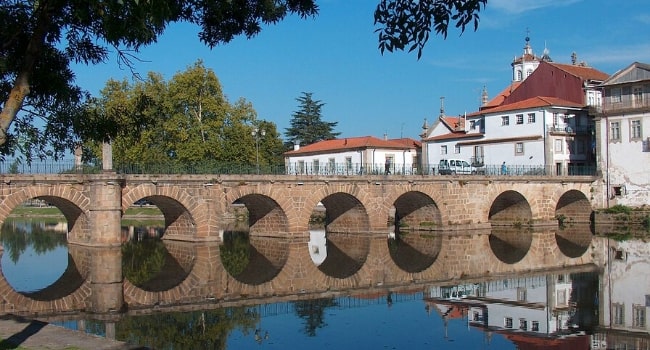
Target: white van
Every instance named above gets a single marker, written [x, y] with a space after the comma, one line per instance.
[456, 166]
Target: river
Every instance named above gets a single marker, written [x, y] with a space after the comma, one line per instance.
[597, 305]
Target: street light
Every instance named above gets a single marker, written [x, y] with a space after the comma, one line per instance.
[256, 134]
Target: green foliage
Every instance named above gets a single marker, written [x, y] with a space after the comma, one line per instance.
[646, 222]
[142, 261]
[18, 234]
[182, 122]
[618, 209]
[40, 39]
[407, 24]
[235, 252]
[208, 329]
[307, 126]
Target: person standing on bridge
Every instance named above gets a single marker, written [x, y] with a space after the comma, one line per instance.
[504, 169]
[387, 166]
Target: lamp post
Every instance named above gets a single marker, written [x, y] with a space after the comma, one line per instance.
[256, 134]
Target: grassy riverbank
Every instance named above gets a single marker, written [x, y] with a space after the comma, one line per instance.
[141, 215]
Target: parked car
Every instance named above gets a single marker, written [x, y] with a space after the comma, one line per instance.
[457, 166]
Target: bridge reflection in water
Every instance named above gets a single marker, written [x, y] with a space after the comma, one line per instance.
[236, 282]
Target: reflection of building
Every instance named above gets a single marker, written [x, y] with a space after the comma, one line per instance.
[625, 297]
[317, 246]
[529, 309]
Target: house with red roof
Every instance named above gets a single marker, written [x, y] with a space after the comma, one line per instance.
[542, 123]
[355, 155]
[623, 127]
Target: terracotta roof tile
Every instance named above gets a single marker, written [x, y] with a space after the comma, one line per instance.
[583, 72]
[532, 102]
[351, 143]
[501, 96]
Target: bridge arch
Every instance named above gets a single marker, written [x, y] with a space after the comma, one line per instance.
[73, 205]
[345, 213]
[510, 207]
[265, 216]
[575, 205]
[415, 210]
[176, 206]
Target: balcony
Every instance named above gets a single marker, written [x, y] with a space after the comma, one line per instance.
[627, 104]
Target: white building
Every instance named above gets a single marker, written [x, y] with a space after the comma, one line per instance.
[624, 131]
[355, 155]
[539, 125]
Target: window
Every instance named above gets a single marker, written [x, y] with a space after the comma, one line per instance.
[639, 316]
[637, 96]
[558, 146]
[535, 326]
[472, 124]
[519, 75]
[520, 118]
[457, 149]
[523, 324]
[505, 120]
[635, 130]
[301, 166]
[619, 314]
[556, 119]
[519, 148]
[616, 95]
[531, 118]
[348, 163]
[560, 297]
[522, 294]
[508, 322]
[443, 149]
[331, 165]
[315, 166]
[614, 131]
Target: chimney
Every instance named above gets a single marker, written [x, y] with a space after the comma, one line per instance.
[296, 145]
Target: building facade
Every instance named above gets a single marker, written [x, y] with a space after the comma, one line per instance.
[355, 155]
[541, 123]
[623, 125]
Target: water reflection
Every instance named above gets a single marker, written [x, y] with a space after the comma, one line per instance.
[252, 260]
[414, 251]
[484, 291]
[35, 254]
[510, 245]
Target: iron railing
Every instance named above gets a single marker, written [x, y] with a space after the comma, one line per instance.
[8, 166]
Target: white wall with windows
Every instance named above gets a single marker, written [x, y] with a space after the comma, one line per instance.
[534, 138]
[624, 158]
[368, 161]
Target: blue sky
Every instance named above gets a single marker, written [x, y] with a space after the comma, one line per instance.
[335, 56]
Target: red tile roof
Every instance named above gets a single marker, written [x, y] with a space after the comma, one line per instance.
[583, 72]
[532, 102]
[352, 143]
[501, 96]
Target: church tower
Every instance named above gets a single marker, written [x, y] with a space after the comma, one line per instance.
[524, 65]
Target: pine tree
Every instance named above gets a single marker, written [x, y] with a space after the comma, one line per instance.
[307, 127]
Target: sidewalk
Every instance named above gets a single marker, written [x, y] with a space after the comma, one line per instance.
[31, 334]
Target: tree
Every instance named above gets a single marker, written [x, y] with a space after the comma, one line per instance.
[186, 121]
[407, 23]
[306, 124]
[40, 38]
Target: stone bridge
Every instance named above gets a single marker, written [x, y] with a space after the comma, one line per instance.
[454, 224]
[198, 207]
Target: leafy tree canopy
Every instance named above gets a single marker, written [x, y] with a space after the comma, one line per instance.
[307, 126]
[185, 121]
[41, 107]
